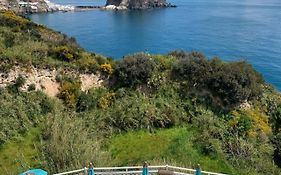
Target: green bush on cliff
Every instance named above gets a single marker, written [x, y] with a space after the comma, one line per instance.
[9, 18]
[134, 70]
[233, 83]
[276, 127]
[69, 93]
[19, 82]
[64, 53]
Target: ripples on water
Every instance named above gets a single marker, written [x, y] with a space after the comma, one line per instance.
[232, 30]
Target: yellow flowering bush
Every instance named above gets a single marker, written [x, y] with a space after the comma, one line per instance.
[11, 19]
[106, 100]
[64, 53]
[69, 93]
[106, 68]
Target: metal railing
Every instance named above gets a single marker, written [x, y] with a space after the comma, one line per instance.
[137, 170]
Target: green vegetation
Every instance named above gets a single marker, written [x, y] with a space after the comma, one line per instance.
[170, 146]
[232, 83]
[134, 70]
[69, 92]
[25, 43]
[180, 108]
[20, 153]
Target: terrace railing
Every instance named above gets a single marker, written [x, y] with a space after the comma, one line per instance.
[137, 170]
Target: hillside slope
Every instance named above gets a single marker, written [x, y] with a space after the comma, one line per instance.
[180, 108]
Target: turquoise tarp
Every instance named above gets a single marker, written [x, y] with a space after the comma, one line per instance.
[35, 171]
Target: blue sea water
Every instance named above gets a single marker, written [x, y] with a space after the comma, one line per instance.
[230, 29]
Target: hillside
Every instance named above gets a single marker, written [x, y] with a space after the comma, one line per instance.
[180, 108]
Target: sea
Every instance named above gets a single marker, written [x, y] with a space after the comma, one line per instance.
[230, 29]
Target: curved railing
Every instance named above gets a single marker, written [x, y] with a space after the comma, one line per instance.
[137, 170]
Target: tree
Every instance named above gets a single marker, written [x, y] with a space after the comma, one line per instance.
[134, 70]
[194, 68]
[231, 83]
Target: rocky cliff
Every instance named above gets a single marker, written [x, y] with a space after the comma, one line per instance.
[45, 79]
[23, 6]
[32, 6]
[137, 4]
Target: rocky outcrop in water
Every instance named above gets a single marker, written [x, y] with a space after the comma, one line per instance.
[136, 4]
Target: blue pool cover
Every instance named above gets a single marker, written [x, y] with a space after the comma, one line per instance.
[35, 172]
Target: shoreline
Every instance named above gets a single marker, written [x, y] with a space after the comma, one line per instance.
[81, 8]
[46, 6]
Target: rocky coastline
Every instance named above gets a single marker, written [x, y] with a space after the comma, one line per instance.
[41, 6]
[33, 6]
[136, 4]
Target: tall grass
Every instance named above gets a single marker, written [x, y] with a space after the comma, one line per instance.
[170, 146]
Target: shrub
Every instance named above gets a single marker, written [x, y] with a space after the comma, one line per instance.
[100, 59]
[47, 105]
[134, 70]
[131, 110]
[178, 53]
[233, 83]
[71, 42]
[244, 125]
[84, 102]
[38, 50]
[164, 62]
[276, 127]
[276, 118]
[106, 100]
[69, 93]
[87, 62]
[9, 40]
[69, 144]
[157, 80]
[106, 68]
[194, 68]
[277, 148]
[207, 145]
[5, 67]
[64, 53]
[18, 113]
[10, 19]
[19, 82]
[31, 87]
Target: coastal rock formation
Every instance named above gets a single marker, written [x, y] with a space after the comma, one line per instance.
[32, 6]
[136, 4]
[45, 80]
[24, 6]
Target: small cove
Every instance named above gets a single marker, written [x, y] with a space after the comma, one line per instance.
[233, 30]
